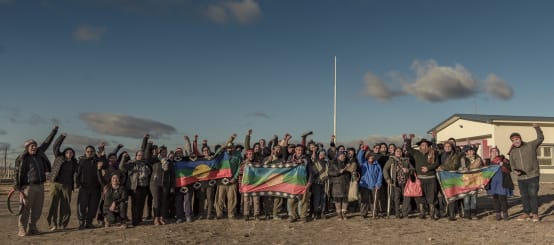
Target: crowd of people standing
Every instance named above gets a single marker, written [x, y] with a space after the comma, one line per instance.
[341, 180]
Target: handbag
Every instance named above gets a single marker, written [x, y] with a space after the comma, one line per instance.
[353, 189]
[413, 187]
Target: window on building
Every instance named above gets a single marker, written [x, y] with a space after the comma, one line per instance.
[544, 154]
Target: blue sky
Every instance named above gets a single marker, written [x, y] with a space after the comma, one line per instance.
[113, 70]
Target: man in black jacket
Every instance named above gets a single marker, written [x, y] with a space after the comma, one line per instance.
[30, 174]
[88, 175]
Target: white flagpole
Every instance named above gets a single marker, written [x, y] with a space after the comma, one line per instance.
[335, 102]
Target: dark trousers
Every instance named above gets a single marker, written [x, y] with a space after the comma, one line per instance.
[88, 200]
[138, 199]
[398, 198]
[366, 200]
[500, 203]
[160, 201]
[318, 198]
[149, 200]
[183, 204]
[204, 201]
[429, 187]
[119, 216]
[529, 190]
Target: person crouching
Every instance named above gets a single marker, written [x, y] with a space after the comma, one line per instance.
[115, 203]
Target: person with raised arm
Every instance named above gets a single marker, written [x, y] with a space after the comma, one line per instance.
[62, 178]
[523, 157]
[29, 177]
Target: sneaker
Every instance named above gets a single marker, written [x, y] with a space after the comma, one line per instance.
[535, 218]
[179, 221]
[523, 217]
[22, 232]
[277, 218]
[189, 219]
[124, 226]
[53, 228]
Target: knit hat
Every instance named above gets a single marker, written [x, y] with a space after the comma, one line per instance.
[29, 142]
[515, 134]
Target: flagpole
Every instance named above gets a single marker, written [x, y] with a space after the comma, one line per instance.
[335, 102]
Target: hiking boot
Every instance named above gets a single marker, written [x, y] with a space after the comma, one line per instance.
[535, 218]
[523, 217]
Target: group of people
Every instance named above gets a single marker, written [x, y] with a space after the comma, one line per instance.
[340, 180]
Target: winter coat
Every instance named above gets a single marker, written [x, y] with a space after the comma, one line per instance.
[524, 157]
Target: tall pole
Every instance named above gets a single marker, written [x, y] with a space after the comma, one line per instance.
[335, 102]
[6, 160]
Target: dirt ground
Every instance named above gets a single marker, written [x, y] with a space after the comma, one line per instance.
[355, 230]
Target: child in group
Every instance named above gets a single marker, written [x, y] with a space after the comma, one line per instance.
[371, 179]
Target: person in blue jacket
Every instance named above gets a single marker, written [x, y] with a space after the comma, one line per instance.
[371, 179]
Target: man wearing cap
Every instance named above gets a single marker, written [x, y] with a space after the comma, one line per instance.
[425, 163]
[523, 158]
[30, 174]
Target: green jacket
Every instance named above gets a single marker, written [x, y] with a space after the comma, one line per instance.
[421, 161]
[524, 157]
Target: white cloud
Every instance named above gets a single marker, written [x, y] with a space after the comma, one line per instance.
[377, 88]
[243, 12]
[127, 126]
[440, 83]
[88, 33]
[217, 13]
[258, 114]
[498, 88]
[435, 83]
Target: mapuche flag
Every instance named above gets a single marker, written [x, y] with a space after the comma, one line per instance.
[457, 184]
[188, 172]
[282, 180]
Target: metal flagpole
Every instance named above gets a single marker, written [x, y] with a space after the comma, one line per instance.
[335, 102]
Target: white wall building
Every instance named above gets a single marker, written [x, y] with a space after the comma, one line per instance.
[494, 130]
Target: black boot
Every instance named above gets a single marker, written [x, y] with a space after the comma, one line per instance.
[433, 212]
[81, 225]
[451, 214]
[467, 214]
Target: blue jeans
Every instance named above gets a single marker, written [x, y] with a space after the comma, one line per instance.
[529, 190]
[470, 201]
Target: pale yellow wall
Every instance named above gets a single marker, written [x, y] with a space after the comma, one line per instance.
[468, 129]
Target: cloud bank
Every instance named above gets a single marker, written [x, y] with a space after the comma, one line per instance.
[88, 33]
[126, 126]
[435, 83]
[243, 12]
